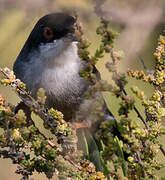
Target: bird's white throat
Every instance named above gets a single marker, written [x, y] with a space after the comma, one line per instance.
[59, 52]
[60, 74]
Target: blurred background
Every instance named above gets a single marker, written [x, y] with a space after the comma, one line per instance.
[138, 22]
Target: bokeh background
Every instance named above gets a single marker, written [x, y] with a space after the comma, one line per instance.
[139, 24]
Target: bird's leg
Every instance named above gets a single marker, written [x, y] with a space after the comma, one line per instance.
[79, 125]
[26, 110]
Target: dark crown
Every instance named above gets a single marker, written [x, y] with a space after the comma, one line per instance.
[60, 23]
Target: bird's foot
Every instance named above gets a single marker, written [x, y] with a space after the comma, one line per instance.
[79, 125]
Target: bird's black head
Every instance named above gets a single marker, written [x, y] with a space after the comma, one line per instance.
[51, 27]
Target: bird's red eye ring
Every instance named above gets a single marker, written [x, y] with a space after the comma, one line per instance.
[48, 33]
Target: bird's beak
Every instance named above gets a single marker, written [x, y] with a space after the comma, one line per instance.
[72, 37]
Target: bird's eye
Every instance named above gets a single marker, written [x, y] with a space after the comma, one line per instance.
[48, 33]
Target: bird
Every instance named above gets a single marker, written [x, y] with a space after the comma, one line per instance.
[49, 59]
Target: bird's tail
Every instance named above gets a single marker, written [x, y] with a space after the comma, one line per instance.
[87, 144]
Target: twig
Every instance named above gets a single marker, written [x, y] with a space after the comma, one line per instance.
[141, 60]
[162, 150]
[138, 113]
[33, 104]
[148, 71]
[140, 162]
[144, 122]
[27, 112]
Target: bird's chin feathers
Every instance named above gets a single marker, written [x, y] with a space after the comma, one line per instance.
[51, 51]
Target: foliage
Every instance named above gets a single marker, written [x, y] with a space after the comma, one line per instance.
[127, 150]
